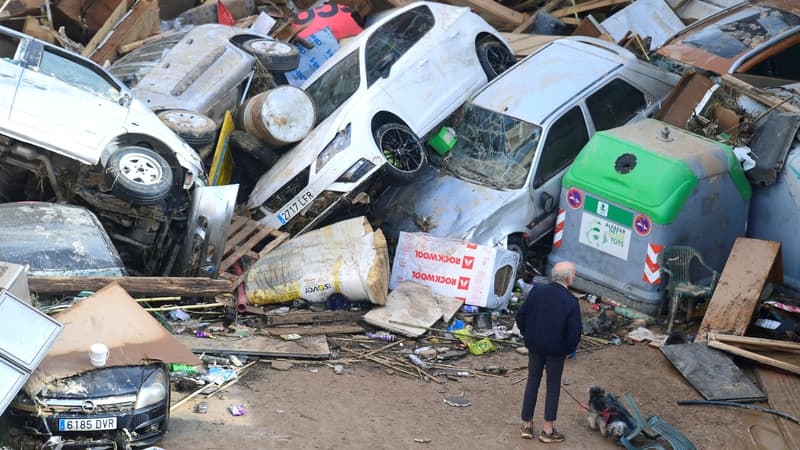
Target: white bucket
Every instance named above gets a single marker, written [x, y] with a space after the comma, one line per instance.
[98, 354]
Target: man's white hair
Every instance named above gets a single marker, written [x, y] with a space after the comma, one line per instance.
[562, 271]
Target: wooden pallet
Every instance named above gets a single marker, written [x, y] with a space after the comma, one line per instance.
[244, 236]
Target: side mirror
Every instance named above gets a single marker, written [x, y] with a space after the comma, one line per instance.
[546, 203]
[125, 100]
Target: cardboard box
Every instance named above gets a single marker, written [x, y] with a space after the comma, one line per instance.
[476, 274]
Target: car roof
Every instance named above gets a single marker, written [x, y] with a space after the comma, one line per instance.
[540, 84]
[715, 45]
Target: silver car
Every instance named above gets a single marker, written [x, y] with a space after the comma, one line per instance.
[71, 132]
[499, 185]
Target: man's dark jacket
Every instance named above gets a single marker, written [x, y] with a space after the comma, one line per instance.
[550, 320]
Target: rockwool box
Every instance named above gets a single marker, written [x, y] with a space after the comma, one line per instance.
[476, 274]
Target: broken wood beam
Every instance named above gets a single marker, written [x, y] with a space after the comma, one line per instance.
[303, 331]
[758, 94]
[754, 356]
[767, 344]
[188, 286]
[587, 6]
[302, 317]
[493, 12]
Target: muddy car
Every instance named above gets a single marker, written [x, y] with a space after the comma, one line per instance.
[759, 38]
[375, 97]
[73, 133]
[192, 76]
[500, 183]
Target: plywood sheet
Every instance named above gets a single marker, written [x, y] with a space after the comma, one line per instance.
[711, 372]
[752, 262]
[308, 347]
[783, 392]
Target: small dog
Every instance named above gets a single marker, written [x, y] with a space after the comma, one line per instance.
[607, 414]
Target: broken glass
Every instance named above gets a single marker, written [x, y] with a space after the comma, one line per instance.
[493, 149]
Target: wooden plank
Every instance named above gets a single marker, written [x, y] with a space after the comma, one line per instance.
[783, 394]
[756, 342]
[140, 22]
[526, 24]
[493, 12]
[237, 223]
[280, 239]
[772, 362]
[309, 347]
[236, 239]
[587, 6]
[712, 373]
[203, 287]
[752, 262]
[106, 29]
[245, 247]
[304, 317]
[524, 44]
[758, 94]
[323, 329]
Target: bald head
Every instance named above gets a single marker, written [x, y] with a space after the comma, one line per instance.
[563, 272]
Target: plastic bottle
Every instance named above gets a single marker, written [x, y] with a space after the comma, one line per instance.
[183, 368]
[382, 336]
[420, 363]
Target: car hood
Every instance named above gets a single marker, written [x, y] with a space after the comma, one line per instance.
[439, 204]
[304, 153]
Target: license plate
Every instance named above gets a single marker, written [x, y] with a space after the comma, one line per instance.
[295, 206]
[97, 423]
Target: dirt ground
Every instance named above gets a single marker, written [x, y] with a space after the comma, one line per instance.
[311, 407]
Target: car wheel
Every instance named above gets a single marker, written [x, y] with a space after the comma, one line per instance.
[517, 245]
[242, 141]
[404, 153]
[138, 175]
[494, 57]
[276, 55]
[194, 128]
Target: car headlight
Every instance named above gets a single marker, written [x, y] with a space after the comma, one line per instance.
[339, 142]
[153, 390]
[356, 171]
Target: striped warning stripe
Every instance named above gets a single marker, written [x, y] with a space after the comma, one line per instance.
[652, 271]
[559, 230]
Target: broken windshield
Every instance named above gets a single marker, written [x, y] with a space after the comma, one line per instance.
[493, 149]
[335, 86]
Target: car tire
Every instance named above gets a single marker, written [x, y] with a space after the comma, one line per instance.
[242, 141]
[277, 56]
[138, 175]
[403, 151]
[517, 245]
[196, 129]
[494, 57]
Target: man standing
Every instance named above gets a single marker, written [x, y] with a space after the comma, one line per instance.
[550, 322]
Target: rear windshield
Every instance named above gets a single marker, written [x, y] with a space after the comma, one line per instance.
[742, 31]
[134, 66]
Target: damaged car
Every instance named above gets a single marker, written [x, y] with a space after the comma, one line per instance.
[375, 97]
[500, 183]
[759, 38]
[192, 76]
[73, 133]
[110, 407]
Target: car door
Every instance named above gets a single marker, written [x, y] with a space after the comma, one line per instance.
[10, 72]
[65, 103]
[564, 139]
[397, 61]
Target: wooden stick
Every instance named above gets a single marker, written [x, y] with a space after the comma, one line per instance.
[384, 347]
[172, 308]
[187, 398]
[756, 342]
[377, 360]
[754, 356]
[158, 299]
[199, 286]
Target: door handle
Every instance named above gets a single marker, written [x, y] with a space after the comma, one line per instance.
[5, 75]
[37, 86]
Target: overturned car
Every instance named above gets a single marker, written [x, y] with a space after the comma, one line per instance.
[71, 132]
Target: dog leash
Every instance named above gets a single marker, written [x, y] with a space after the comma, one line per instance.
[582, 405]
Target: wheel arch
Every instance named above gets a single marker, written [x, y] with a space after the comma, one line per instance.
[384, 117]
[142, 140]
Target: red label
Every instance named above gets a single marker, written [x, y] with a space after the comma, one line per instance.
[468, 262]
[463, 283]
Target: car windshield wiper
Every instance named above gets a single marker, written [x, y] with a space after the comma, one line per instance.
[478, 177]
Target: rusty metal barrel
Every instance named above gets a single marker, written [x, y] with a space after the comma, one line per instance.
[280, 116]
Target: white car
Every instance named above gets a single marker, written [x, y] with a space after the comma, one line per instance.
[70, 132]
[375, 97]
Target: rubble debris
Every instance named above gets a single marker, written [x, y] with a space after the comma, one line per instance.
[346, 258]
[247, 240]
[457, 401]
[412, 303]
[281, 365]
[237, 410]
[646, 18]
[308, 347]
[187, 286]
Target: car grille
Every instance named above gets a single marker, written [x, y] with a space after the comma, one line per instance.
[101, 405]
[288, 191]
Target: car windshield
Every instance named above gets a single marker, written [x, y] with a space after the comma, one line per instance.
[493, 149]
[335, 86]
[742, 31]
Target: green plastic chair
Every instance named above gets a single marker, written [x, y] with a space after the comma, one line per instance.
[654, 428]
[679, 262]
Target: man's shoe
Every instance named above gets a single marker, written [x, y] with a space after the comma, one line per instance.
[553, 436]
[526, 432]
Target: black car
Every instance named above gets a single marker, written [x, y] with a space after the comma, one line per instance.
[113, 407]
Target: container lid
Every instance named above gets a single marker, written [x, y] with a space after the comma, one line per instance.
[651, 167]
